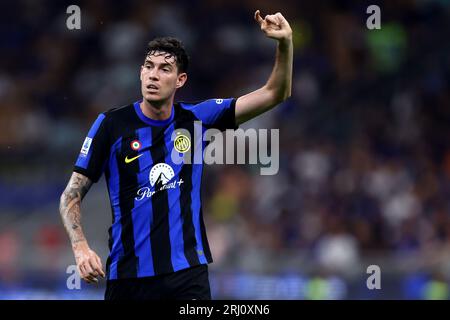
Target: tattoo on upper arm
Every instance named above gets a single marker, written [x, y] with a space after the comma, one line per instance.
[70, 203]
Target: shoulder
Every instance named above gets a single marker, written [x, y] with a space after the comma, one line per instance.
[118, 112]
[120, 115]
[192, 104]
[114, 121]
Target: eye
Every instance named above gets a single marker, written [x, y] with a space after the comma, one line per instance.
[166, 70]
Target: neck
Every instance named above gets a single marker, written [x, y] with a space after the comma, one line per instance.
[157, 110]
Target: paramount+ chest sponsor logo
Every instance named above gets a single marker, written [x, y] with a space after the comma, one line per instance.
[160, 178]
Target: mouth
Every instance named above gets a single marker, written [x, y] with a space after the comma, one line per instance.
[152, 87]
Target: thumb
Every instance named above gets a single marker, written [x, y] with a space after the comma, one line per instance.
[258, 17]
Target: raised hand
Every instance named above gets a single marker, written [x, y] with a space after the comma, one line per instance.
[275, 26]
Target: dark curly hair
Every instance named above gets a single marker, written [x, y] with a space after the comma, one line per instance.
[171, 46]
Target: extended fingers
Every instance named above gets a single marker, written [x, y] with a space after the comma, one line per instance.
[91, 279]
[85, 272]
[99, 267]
[90, 269]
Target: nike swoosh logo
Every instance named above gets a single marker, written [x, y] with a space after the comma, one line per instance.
[132, 159]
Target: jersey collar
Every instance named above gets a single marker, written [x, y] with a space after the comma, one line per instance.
[151, 121]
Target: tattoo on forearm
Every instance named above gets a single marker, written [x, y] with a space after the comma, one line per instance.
[69, 207]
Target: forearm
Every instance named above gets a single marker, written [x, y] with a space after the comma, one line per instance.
[280, 80]
[88, 262]
[71, 216]
[278, 86]
[70, 205]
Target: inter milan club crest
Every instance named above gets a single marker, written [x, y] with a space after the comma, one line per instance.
[182, 143]
[135, 145]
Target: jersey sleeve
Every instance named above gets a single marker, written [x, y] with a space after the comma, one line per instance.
[216, 113]
[94, 151]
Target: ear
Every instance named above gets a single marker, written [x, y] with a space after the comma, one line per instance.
[181, 80]
[140, 75]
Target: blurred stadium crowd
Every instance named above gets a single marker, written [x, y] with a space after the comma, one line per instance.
[364, 140]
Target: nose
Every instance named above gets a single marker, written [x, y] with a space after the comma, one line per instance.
[153, 74]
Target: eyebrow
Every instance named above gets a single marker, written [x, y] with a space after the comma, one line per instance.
[164, 64]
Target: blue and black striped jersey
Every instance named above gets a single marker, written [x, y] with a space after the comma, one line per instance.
[157, 220]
